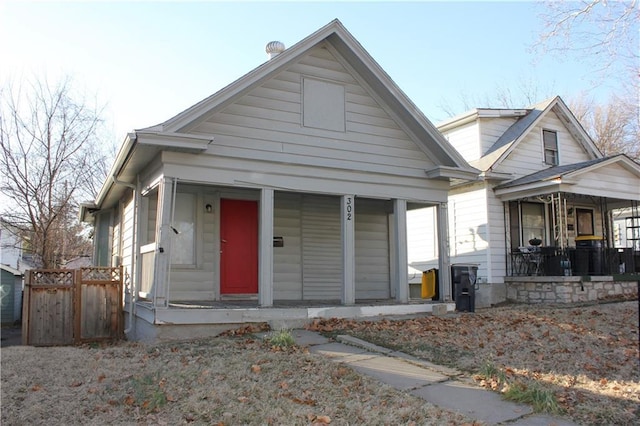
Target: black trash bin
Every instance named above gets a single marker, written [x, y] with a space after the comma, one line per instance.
[590, 255]
[463, 281]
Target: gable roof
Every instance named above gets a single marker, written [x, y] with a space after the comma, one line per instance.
[145, 143]
[556, 178]
[337, 39]
[551, 173]
[512, 137]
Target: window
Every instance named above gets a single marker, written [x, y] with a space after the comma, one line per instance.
[184, 221]
[532, 222]
[550, 141]
[584, 219]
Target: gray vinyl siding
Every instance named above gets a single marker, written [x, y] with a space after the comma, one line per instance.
[497, 243]
[264, 129]
[491, 129]
[116, 242]
[468, 223]
[608, 179]
[197, 282]
[528, 156]
[422, 238]
[287, 260]
[127, 235]
[372, 249]
[465, 140]
[321, 248]
[309, 266]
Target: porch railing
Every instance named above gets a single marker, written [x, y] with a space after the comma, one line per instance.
[553, 261]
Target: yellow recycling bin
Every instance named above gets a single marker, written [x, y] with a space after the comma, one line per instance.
[429, 282]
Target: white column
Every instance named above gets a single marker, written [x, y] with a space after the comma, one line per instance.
[164, 236]
[402, 263]
[444, 263]
[265, 255]
[347, 211]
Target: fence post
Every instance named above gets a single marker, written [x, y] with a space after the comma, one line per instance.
[26, 303]
[77, 306]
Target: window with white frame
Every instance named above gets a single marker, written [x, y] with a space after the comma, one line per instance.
[550, 142]
[532, 221]
[584, 220]
[184, 222]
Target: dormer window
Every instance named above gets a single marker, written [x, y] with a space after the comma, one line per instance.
[550, 141]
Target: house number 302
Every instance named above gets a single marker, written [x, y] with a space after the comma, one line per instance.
[349, 208]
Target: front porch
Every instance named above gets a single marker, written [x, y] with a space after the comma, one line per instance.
[573, 261]
[574, 289]
[200, 319]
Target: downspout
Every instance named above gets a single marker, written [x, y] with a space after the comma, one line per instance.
[134, 237]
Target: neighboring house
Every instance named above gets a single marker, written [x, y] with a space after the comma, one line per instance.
[542, 177]
[284, 196]
[10, 247]
[10, 295]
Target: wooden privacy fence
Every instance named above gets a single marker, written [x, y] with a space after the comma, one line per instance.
[67, 306]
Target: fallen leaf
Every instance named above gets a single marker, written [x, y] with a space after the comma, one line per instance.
[322, 420]
[256, 368]
[101, 377]
[129, 400]
[36, 388]
[75, 384]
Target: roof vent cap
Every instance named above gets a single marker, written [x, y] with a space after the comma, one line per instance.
[274, 48]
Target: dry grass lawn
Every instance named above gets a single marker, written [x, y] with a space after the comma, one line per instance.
[585, 358]
[229, 380]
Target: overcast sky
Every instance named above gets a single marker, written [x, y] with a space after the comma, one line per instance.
[148, 61]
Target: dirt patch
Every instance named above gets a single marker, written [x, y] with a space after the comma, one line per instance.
[225, 380]
[586, 356]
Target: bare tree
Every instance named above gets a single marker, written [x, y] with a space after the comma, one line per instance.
[528, 92]
[613, 126]
[50, 157]
[603, 32]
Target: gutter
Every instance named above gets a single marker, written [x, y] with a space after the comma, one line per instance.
[121, 158]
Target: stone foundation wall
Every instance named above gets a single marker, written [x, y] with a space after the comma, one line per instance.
[567, 289]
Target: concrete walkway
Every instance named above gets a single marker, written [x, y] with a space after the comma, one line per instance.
[441, 386]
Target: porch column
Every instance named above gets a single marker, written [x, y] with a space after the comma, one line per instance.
[347, 211]
[265, 255]
[163, 254]
[400, 230]
[444, 262]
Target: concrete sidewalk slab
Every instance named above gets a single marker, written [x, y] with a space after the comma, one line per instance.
[308, 338]
[475, 402]
[396, 372]
[354, 341]
[340, 352]
[451, 372]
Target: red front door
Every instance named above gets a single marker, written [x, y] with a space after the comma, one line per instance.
[238, 246]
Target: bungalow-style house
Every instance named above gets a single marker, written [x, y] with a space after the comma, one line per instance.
[542, 214]
[282, 197]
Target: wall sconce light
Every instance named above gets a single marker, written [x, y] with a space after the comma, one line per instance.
[208, 208]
